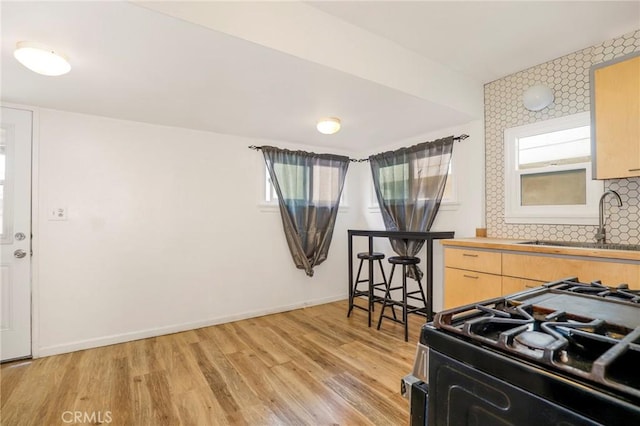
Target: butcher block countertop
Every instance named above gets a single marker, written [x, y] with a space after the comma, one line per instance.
[513, 245]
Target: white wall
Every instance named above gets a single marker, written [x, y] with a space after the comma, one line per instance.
[164, 233]
[463, 218]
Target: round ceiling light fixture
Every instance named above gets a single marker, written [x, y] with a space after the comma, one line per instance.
[537, 97]
[329, 125]
[41, 59]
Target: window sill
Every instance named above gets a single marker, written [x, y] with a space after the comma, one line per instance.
[273, 208]
[446, 206]
[551, 220]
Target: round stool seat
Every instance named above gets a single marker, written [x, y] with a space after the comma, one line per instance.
[404, 260]
[372, 256]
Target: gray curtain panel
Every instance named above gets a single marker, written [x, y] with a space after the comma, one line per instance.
[409, 184]
[309, 187]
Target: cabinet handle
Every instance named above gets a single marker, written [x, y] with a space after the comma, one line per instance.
[471, 276]
[469, 255]
[634, 170]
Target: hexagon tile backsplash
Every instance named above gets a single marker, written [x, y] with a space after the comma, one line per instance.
[568, 76]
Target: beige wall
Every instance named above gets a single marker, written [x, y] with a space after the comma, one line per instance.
[568, 77]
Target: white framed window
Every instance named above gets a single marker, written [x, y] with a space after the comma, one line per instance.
[449, 197]
[548, 173]
[320, 194]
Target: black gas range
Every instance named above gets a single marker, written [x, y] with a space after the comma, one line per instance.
[566, 353]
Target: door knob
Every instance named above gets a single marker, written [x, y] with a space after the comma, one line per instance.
[19, 254]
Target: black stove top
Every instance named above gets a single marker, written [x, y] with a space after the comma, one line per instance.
[584, 330]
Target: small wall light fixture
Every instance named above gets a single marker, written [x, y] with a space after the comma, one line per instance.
[41, 59]
[537, 97]
[328, 125]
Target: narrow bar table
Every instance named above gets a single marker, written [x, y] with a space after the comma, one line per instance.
[428, 237]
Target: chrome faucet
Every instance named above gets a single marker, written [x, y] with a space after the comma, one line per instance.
[601, 235]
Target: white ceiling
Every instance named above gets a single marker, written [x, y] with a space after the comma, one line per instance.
[488, 40]
[270, 70]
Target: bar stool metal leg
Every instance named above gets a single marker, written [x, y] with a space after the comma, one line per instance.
[387, 296]
[405, 261]
[371, 283]
[353, 290]
[404, 303]
[384, 280]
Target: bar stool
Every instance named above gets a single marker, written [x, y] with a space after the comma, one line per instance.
[406, 308]
[369, 293]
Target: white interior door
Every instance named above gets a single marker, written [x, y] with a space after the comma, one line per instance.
[15, 225]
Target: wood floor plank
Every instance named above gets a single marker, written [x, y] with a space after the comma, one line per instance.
[70, 381]
[215, 381]
[365, 399]
[312, 366]
[318, 396]
[120, 391]
[10, 379]
[163, 410]
[225, 337]
[198, 407]
[235, 382]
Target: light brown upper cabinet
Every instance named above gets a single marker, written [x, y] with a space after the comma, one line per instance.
[615, 118]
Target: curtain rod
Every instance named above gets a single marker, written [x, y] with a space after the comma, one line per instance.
[361, 160]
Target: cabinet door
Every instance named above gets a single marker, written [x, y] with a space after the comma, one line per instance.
[512, 285]
[616, 113]
[464, 287]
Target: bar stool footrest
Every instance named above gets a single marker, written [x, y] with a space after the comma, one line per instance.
[415, 310]
[415, 298]
[393, 319]
[360, 307]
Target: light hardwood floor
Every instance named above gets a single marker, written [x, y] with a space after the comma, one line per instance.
[311, 366]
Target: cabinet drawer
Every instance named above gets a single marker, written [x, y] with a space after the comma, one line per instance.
[547, 268]
[464, 287]
[474, 260]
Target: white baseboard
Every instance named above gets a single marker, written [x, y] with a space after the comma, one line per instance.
[153, 332]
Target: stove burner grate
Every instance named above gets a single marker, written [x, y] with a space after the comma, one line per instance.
[528, 326]
[596, 288]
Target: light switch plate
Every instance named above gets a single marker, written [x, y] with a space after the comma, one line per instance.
[58, 213]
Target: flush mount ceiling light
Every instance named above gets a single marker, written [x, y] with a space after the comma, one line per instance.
[537, 97]
[329, 125]
[41, 59]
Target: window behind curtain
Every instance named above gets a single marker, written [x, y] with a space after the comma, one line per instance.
[413, 179]
[320, 193]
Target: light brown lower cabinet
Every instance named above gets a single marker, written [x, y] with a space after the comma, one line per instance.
[473, 275]
[550, 268]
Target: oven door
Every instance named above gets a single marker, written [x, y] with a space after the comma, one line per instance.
[463, 395]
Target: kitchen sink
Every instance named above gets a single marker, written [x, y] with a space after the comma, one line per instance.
[605, 246]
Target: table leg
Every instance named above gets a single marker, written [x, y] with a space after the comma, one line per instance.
[429, 279]
[350, 265]
[370, 279]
